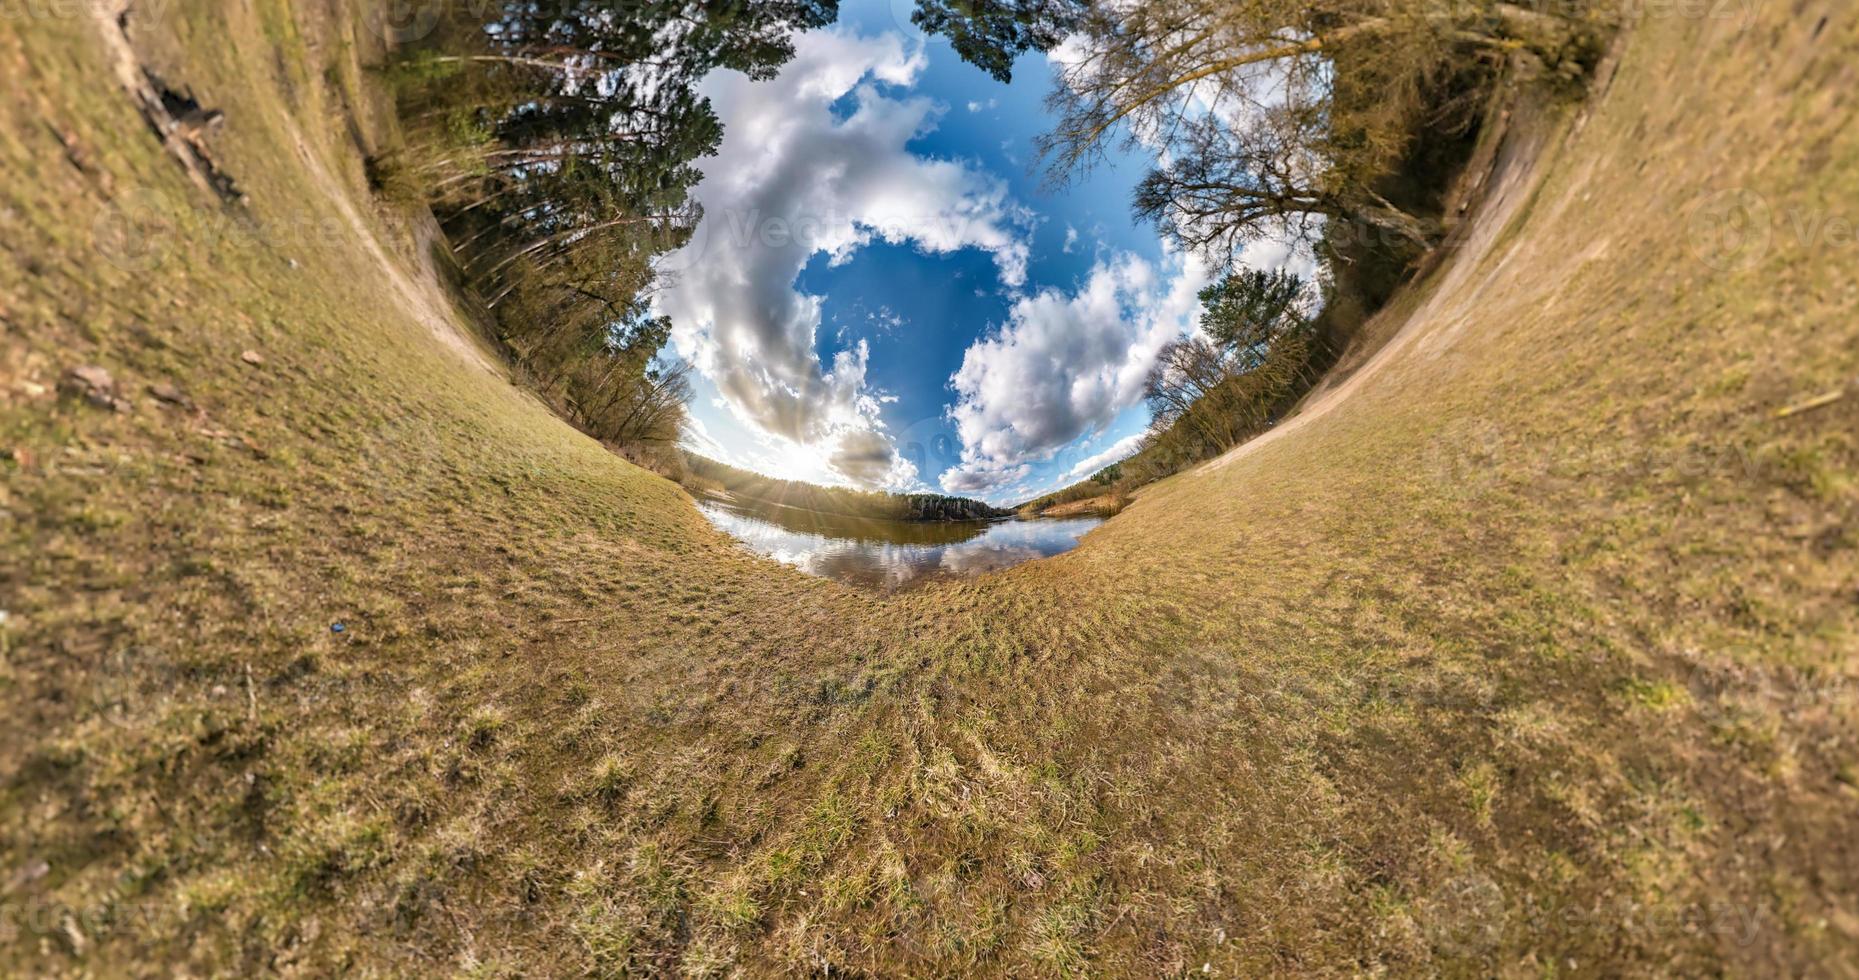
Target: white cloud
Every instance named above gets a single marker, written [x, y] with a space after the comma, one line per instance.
[1071, 239]
[793, 180]
[978, 106]
[697, 439]
[1118, 451]
[1065, 365]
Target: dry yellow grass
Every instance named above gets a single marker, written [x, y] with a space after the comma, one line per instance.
[1531, 653]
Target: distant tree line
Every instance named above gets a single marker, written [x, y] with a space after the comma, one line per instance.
[556, 143]
[708, 474]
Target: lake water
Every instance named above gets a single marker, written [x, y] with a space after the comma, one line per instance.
[889, 554]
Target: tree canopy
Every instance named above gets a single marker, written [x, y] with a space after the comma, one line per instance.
[558, 144]
[1270, 117]
[992, 34]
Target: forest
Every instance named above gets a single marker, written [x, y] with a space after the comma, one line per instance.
[557, 146]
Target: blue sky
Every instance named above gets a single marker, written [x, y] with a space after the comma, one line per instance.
[886, 294]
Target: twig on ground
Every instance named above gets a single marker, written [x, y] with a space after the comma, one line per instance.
[1818, 401]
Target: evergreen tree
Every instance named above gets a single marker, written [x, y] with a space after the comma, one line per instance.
[558, 145]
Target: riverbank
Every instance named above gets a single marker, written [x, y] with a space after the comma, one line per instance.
[1104, 505]
[704, 475]
[890, 555]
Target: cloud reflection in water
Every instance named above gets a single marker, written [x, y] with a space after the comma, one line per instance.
[889, 554]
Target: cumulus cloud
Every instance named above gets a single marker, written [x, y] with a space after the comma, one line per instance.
[1118, 451]
[1065, 365]
[866, 457]
[697, 439]
[793, 179]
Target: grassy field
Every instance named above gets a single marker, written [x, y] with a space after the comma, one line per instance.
[1528, 649]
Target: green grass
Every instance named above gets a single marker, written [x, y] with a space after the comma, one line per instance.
[1536, 651]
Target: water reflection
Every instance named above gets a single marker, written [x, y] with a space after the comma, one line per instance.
[889, 554]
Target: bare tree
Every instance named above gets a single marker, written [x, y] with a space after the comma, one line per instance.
[645, 409]
[1273, 117]
[1186, 372]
